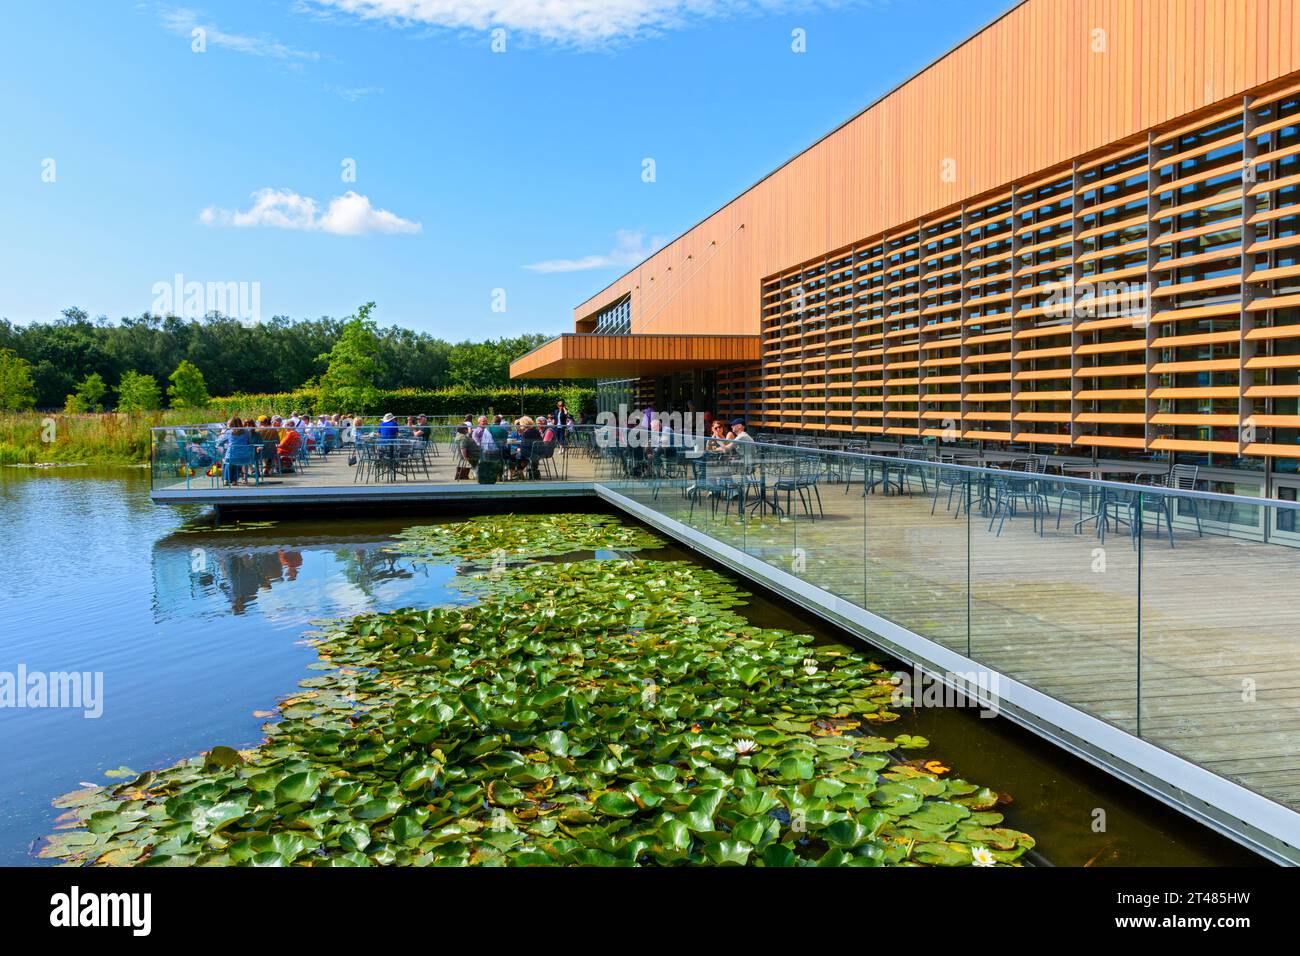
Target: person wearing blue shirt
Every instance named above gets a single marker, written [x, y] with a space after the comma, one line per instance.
[388, 428]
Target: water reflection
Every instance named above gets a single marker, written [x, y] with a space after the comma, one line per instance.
[286, 582]
[192, 632]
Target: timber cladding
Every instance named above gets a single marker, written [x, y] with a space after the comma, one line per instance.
[1049, 81]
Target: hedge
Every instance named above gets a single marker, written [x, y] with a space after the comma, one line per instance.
[412, 401]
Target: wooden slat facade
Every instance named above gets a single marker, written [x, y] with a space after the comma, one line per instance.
[906, 272]
[1141, 301]
[618, 356]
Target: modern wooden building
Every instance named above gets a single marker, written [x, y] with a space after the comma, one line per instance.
[1077, 231]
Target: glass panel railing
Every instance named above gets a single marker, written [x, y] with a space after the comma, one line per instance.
[1054, 589]
[1067, 583]
[1219, 668]
[917, 543]
[210, 456]
[826, 499]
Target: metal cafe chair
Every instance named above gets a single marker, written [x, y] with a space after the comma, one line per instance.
[240, 457]
[915, 454]
[1181, 478]
[1080, 494]
[367, 467]
[800, 477]
[410, 459]
[715, 481]
[955, 481]
[852, 464]
[270, 457]
[1017, 487]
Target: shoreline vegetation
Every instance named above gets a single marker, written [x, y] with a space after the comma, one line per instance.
[593, 713]
[122, 438]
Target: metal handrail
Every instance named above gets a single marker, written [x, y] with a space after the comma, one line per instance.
[689, 441]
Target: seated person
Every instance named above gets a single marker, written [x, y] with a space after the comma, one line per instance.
[236, 437]
[529, 435]
[717, 437]
[388, 427]
[469, 450]
[287, 450]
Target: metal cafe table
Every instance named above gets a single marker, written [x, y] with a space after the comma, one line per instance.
[977, 458]
[1097, 471]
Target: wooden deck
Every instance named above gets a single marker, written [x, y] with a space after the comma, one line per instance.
[1219, 655]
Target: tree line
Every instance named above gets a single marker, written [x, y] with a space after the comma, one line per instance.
[81, 364]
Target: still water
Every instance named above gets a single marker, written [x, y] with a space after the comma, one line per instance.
[194, 632]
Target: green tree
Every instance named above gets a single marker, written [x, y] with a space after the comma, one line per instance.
[351, 379]
[89, 395]
[487, 364]
[138, 392]
[17, 390]
[187, 388]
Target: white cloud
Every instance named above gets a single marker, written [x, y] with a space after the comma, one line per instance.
[184, 21]
[353, 94]
[581, 23]
[630, 250]
[348, 215]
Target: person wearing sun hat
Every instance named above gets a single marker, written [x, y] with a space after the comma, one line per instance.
[388, 427]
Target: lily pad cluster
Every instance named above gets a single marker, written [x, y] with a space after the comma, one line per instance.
[591, 713]
[510, 538]
[207, 527]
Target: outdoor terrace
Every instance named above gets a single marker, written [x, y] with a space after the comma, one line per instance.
[1070, 586]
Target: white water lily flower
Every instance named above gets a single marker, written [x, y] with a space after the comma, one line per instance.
[550, 612]
[745, 746]
[982, 856]
[809, 666]
[691, 620]
[630, 596]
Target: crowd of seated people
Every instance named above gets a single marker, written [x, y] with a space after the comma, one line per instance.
[510, 443]
[269, 442]
[279, 444]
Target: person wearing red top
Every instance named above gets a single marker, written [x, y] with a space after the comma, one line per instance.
[290, 439]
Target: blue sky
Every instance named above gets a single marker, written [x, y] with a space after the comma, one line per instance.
[475, 170]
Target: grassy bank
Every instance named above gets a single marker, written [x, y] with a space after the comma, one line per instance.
[120, 439]
[108, 439]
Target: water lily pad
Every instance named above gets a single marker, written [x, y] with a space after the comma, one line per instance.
[589, 713]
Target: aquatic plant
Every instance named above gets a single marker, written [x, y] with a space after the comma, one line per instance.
[503, 538]
[592, 713]
[206, 526]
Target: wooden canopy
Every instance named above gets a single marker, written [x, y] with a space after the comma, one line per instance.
[626, 356]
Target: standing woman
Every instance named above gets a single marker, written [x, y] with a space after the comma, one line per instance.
[562, 420]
